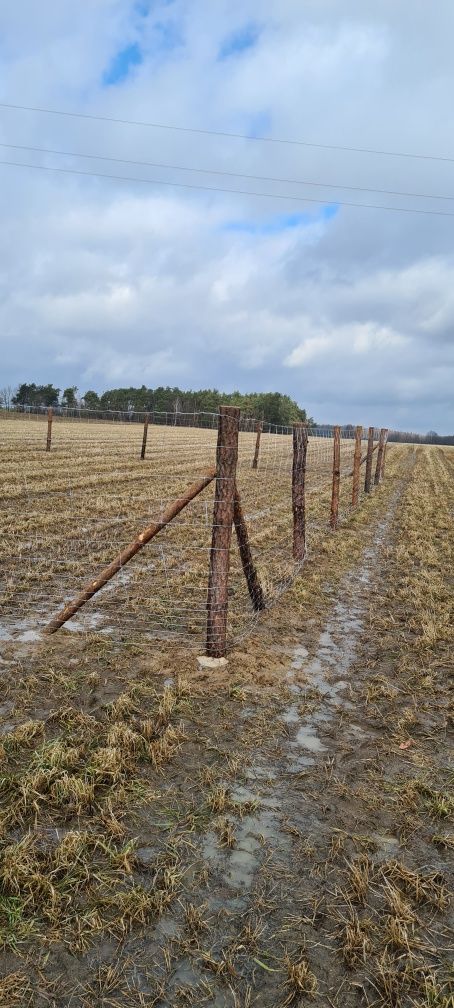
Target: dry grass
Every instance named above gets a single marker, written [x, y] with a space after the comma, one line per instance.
[300, 980]
[161, 834]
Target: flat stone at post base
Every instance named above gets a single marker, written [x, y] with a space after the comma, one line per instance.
[204, 662]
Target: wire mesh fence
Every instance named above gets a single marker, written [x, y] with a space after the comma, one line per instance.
[69, 511]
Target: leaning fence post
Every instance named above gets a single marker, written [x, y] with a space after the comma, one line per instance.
[169, 513]
[255, 460]
[334, 515]
[50, 414]
[381, 446]
[249, 568]
[145, 434]
[356, 465]
[223, 512]
[370, 450]
[298, 490]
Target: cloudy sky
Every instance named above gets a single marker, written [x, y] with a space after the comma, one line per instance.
[116, 282]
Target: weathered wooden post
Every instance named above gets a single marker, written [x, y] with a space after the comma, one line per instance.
[223, 514]
[50, 414]
[356, 465]
[334, 514]
[259, 428]
[370, 450]
[381, 448]
[145, 435]
[299, 490]
[384, 454]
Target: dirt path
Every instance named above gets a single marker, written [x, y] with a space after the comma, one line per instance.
[292, 835]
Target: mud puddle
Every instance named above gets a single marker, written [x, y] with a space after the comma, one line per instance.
[20, 630]
[319, 683]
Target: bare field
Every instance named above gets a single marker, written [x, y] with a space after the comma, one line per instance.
[66, 513]
[277, 834]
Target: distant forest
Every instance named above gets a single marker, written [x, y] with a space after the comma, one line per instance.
[272, 407]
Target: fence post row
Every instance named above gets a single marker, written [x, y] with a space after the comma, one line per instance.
[381, 446]
[298, 490]
[50, 414]
[223, 516]
[259, 428]
[370, 449]
[334, 514]
[356, 465]
[145, 435]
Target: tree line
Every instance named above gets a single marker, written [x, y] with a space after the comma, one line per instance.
[272, 407]
[405, 437]
[402, 437]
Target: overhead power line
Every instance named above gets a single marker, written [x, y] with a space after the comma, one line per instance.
[234, 192]
[229, 174]
[224, 133]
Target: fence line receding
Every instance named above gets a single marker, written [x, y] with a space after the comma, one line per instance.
[182, 525]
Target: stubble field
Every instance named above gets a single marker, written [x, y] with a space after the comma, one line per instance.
[278, 833]
[66, 513]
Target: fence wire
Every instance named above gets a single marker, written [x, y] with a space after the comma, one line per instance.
[68, 512]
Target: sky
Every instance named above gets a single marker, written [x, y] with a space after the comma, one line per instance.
[265, 285]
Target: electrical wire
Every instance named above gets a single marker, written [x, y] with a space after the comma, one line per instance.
[229, 174]
[234, 192]
[224, 133]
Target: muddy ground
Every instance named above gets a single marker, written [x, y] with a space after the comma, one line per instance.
[279, 833]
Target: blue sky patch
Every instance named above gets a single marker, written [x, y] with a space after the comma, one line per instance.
[239, 40]
[166, 36]
[143, 7]
[259, 124]
[122, 64]
[282, 222]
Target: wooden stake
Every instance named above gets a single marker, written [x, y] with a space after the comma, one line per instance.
[217, 602]
[255, 460]
[334, 515]
[129, 551]
[50, 414]
[384, 453]
[381, 448]
[370, 450]
[298, 490]
[356, 466]
[145, 434]
[249, 569]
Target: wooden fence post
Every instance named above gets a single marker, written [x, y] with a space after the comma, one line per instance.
[50, 414]
[356, 465]
[334, 515]
[381, 446]
[384, 453]
[298, 490]
[145, 434]
[223, 510]
[259, 428]
[370, 450]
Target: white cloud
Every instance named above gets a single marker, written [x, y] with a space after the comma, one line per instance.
[313, 346]
[344, 341]
[106, 282]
